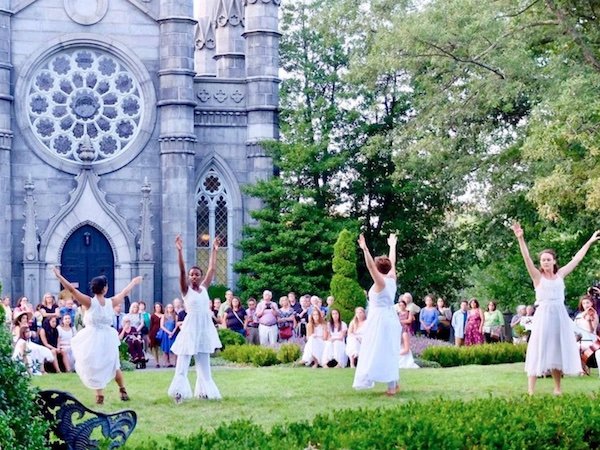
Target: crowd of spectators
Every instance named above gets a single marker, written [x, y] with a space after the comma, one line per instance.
[42, 334]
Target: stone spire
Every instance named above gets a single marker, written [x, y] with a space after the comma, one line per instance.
[229, 19]
[30, 239]
[205, 39]
[146, 243]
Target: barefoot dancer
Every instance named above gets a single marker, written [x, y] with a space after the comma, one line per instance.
[96, 347]
[379, 355]
[198, 336]
[552, 344]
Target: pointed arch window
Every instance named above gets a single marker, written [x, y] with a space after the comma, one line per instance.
[213, 219]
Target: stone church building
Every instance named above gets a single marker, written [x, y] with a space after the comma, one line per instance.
[124, 123]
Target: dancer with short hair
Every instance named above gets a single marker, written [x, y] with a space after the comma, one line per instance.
[198, 336]
[379, 355]
[96, 347]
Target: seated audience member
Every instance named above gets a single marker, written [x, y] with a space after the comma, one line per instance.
[354, 338]
[429, 318]
[66, 331]
[135, 344]
[286, 321]
[234, 317]
[49, 307]
[49, 338]
[586, 324]
[134, 316]
[459, 323]
[69, 309]
[316, 332]
[22, 352]
[493, 324]
[335, 345]
[252, 323]
[517, 336]
[23, 305]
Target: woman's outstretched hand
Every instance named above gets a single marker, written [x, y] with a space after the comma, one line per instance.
[179, 243]
[392, 240]
[56, 271]
[361, 241]
[595, 236]
[516, 227]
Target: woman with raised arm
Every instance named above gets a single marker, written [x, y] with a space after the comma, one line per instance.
[96, 347]
[379, 354]
[198, 336]
[552, 345]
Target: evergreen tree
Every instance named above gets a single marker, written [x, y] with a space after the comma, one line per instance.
[345, 288]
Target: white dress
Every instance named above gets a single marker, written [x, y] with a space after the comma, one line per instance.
[336, 349]
[64, 342]
[407, 361]
[96, 347]
[378, 359]
[198, 333]
[314, 346]
[199, 337]
[353, 341]
[552, 344]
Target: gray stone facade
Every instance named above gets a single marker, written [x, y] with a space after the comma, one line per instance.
[139, 118]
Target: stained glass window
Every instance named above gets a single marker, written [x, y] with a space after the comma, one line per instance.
[212, 221]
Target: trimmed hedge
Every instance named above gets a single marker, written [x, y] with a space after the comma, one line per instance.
[568, 422]
[501, 353]
[261, 356]
[229, 337]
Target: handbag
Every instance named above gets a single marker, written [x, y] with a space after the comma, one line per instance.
[285, 332]
[159, 334]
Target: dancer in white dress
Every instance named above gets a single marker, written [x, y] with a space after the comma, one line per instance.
[552, 344]
[378, 359]
[354, 337]
[96, 347]
[316, 332]
[335, 345]
[198, 336]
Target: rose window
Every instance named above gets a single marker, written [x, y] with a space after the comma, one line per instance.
[82, 97]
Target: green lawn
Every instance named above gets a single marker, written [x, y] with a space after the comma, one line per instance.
[274, 394]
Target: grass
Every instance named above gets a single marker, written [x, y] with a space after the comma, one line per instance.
[276, 394]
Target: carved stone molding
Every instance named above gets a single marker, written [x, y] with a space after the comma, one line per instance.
[30, 239]
[221, 95]
[86, 12]
[205, 34]
[255, 150]
[229, 12]
[252, 2]
[146, 243]
[221, 118]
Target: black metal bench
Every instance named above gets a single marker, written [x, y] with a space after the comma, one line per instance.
[73, 424]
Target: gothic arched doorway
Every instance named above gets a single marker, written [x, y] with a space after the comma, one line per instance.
[85, 255]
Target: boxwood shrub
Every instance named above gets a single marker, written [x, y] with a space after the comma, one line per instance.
[261, 356]
[229, 337]
[486, 354]
[543, 422]
[21, 422]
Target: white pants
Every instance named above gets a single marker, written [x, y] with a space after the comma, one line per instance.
[268, 334]
[205, 386]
